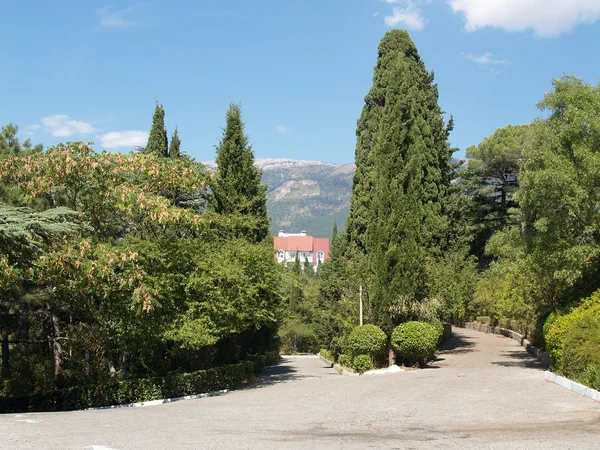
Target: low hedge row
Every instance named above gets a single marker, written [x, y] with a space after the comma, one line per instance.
[263, 361]
[140, 390]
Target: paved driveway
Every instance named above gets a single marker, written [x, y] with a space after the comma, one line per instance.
[483, 392]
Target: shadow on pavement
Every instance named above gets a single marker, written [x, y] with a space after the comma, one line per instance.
[458, 344]
[519, 359]
[279, 373]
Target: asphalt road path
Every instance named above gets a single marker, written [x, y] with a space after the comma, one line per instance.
[484, 391]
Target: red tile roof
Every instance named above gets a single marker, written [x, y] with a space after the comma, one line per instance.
[302, 244]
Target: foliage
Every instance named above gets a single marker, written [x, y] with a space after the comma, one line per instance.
[297, 336]
[560, 189]
[10, 144]
[236, 187]
[345, 360]
[362, 363]
[157, 140]
[367, 339]
[175, 145]
[327, 355]
[130, 391]
[490, 182]
[415, 342]
[558, 327]
[581, 358]
[403, 174]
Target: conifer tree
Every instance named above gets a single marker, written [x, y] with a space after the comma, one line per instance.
[404, 151]
[236, 186]
[157, 140]
[175, 146]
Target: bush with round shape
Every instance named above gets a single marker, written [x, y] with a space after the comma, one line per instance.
[344, 360]
[367, 340]
[362, 363]
[557, 327]
[581, 353]
[415, 342]
[439, 328]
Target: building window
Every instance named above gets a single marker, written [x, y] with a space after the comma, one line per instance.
[280, 255]
[320, 256]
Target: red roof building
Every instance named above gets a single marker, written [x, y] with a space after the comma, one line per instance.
[288, 246]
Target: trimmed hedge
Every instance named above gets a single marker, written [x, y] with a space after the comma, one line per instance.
[415, 341]
[367, 340]
[140, 390]
[263, 361]
[362, 363]
[557, 326]
[581, 354]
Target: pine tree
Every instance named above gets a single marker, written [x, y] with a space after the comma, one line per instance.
[175, 146]
[158, 144]
[236, 186]
[407, 173]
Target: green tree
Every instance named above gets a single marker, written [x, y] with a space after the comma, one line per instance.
[410, 167]
[560, 190]
[10, 144]
[158, 144]
[175, 146]
[490, 182]
[236, 186]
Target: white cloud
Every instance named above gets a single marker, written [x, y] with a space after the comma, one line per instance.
[486, 59]
[408, 15]
[122, 139]
[547, 18]
[375, 14]
[107, 18]
[61, 125]
[282, 129]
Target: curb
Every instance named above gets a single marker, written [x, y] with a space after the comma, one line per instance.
[341, 369]
[541, 355]
[160, 401]
[572, 386]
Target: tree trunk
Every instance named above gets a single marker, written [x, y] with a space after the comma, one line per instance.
[56, 347]
[111, 363]
[124, 366]
[5, 355]
[391, 356]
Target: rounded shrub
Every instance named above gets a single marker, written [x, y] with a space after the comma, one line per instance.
[345, 360]
[415, 341]
[367, 340]
[439, 328]
[362, 363]
[557, 326]
[581, 353]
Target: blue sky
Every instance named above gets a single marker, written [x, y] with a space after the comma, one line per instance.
[92, 71]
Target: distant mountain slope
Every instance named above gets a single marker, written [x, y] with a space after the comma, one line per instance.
[305, 195]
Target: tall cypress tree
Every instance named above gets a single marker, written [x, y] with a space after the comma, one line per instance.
[158, 144]
[236, 187]
[367, 128]
[175, 146]
[407, 171]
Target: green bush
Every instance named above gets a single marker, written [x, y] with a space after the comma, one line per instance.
[557, 326]
[581, 354]
[366, 340]
[263, 361]
[415, 341]
[327, 355]
[362, 363]
[345, 360]
[447, 332]
[135, 390]
[297, 336]
[439, 329]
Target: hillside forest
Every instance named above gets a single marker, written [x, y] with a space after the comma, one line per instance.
[117, 267]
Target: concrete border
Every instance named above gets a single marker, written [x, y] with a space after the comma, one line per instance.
[160, 401]
[572, 386]
[541, 355]
[340, 369]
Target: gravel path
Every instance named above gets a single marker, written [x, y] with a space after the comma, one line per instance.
[484, 391]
